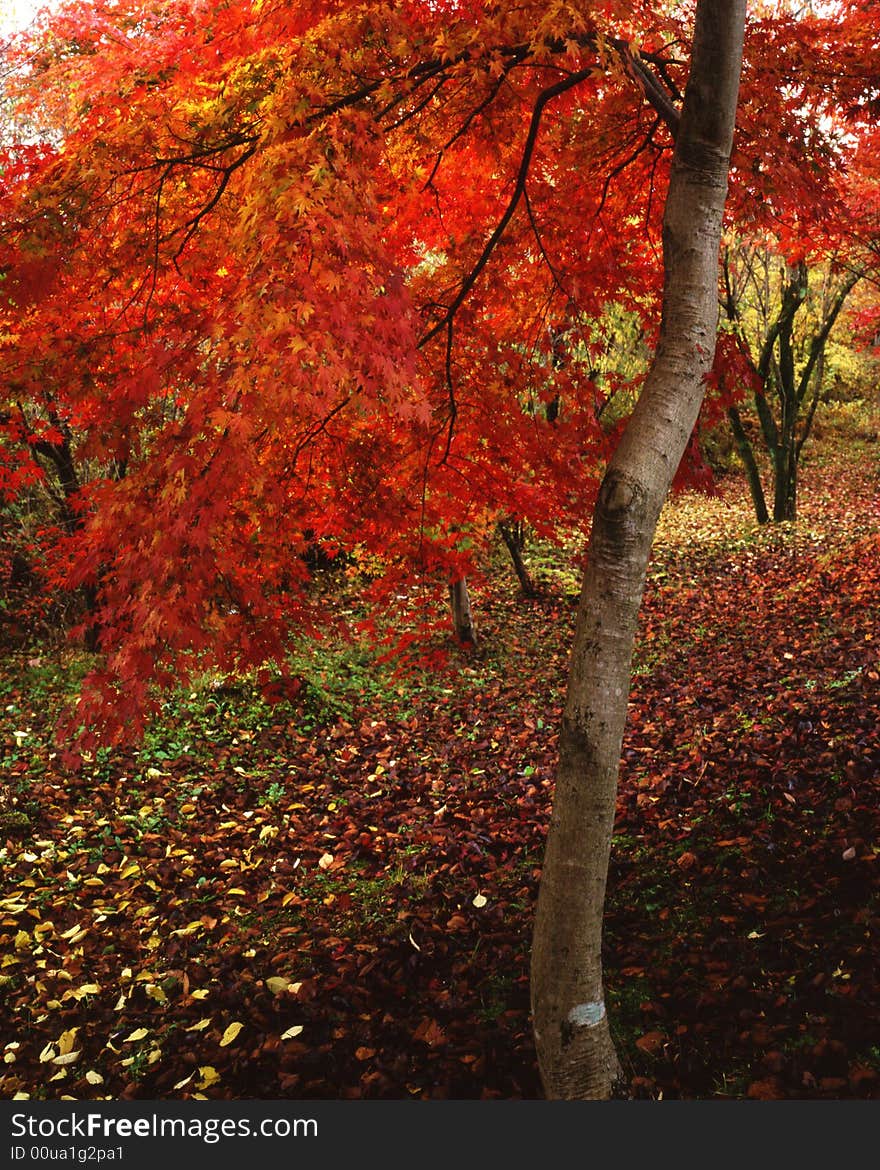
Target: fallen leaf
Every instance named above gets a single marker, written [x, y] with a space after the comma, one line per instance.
[209, 1076]
[651, 1042]
[430, 1033]
[67, 1057]
[230, 1034]
[66, 1041]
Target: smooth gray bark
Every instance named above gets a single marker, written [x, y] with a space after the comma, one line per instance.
[575, 1050]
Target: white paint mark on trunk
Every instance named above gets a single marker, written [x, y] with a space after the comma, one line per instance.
[587, 1015]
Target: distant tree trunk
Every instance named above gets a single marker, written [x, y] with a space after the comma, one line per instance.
[512, 535]
[796, 391]
[575, 1052]
[462, 620]
[785, 488]
[747, 455]
[60, 457]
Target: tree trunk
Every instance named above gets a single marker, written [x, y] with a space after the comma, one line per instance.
[575, 1051]
[511, 534]
[462, 621]
[749, 463]
[785, 488]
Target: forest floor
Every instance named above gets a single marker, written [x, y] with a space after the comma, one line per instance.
[332, 898]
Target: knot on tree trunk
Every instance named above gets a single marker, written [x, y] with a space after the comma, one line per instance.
[620, 495]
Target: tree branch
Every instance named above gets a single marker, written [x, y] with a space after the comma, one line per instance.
[470, 280]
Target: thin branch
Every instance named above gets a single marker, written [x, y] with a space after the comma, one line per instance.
[453, 408]
[621, 167]
[494, 90]
[318, 429]
[416, 109]
[470, 280]
[191, 225]
[557, 280]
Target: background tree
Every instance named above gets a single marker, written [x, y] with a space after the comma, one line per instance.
[782, 315]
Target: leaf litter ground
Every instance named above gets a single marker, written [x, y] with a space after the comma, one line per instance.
[333, 899]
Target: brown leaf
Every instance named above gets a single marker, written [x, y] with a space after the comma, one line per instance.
[765, 1090]
[430, 1033]
[651, 1042]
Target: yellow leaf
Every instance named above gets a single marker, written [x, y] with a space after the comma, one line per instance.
[130, 871]
[137, 1034]
[230, 1034]
[199, 1026]
[291, 1032]
[22, 940]
[240, 893]
[67, 1057]
[94, 1078]
[185, 931]
[479, 901]
[48, 1053]
[209, 1076]
[66, 1039]
[200, 993]
[277, 984]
